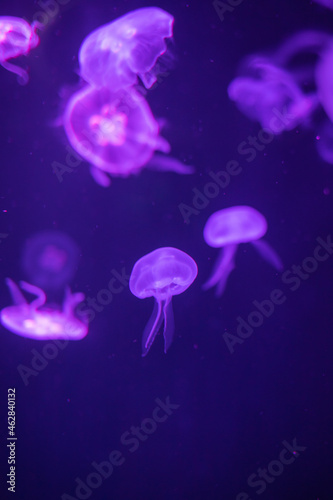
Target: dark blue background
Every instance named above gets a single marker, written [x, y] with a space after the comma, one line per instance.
[235, 409]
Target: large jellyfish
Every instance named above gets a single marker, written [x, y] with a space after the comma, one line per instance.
[115, 54]
[17, 38]
[161, 274]
[271, 96]
[35, 320]
[226, 229]
[50, 259]
[116, 133]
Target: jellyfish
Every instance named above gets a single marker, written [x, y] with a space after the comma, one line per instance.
[324, 80]
[35, 320]
[161, 274]
[115, 54]
[271, 96]
[116, 133]
[50, 259]
[17, 38]
[226, 229]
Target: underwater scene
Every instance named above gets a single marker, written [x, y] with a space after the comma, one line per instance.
[166, 249]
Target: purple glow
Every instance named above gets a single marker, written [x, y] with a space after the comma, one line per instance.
[17, 38]
[324, 80]
[115, 132]
[161, 274]
[226, 229]
[269, 95]
[36, 321]
[50, 259]
[115, 54]
[326, 3]
[324, 141]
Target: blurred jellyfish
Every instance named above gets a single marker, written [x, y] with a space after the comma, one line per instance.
[161, 274]
[226, 229]
[115, 54]
[17, 38]
[324, 80]
[50, 259]
[326, 3]
[116, 133]
[271, 97]
[37, 321]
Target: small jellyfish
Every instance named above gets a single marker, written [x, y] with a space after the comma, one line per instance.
[116, 133]
[161, 274]
[17, 38]
[271, 97]
[115, 54]
[226, 229]
[37, 321]
[50, 259]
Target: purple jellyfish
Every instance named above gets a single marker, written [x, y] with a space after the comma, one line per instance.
[115, 54]
[17, 38]
[271, 97]
[324, 80]
[50, 259]
[226, 229]
[116, 133]
[161, 274]
[37, 321]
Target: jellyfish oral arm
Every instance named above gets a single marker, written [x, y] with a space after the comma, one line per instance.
[224, 265]
[34, 290]
[16, 294]
[167, 164]
[268, 253]
[22, 74]
[162, 311]
[99, 176]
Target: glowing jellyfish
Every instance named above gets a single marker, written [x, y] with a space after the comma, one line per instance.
[271, 97]
[324, 80]
[116, 133]
[37, 321]
[17, 38]
[50, 259]
[115, 54]
[226, 229]
[161, 274]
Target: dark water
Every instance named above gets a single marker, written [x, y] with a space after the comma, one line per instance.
[232, 413]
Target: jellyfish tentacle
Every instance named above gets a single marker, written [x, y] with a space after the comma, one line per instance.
[99, 176]
[224, 265]
[268, 253]
[152, 327]
[16, 294]
[23, 76]
[169, 324]
[71, 301]
[167, 164]
[34, 290]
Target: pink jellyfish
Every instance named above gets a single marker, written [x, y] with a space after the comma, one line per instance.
[116, 133]
[115, 54]
[269, 95]
[17, 38]
[37, 321]
[50, 259]
[161, 274]
[226, 229]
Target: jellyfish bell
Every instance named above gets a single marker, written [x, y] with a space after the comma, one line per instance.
[115, 132]
[36, 320]
[226, 229]
[50, 259]
[115, 54]
[161, 274]
[17, 37]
